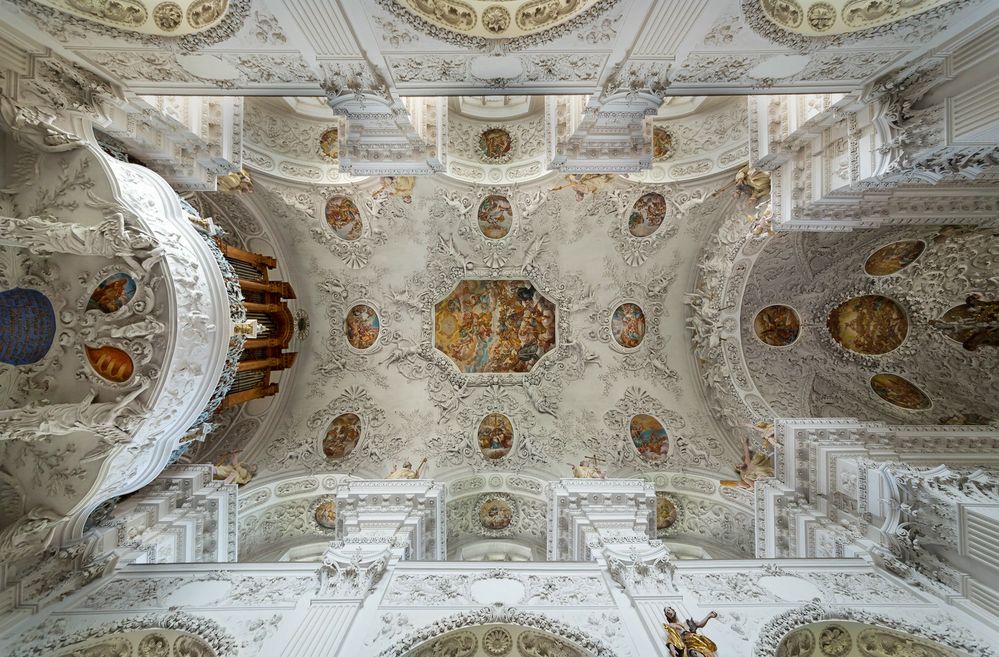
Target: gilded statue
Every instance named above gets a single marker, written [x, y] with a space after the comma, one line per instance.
[755, 465]
[236, 181]
[407, 471]
[683, 640]
[752, 184]
[587, 470]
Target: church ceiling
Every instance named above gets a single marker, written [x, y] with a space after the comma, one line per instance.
[487, 329]
[421, 46]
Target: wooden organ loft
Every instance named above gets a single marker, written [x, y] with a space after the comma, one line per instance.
[263, 299]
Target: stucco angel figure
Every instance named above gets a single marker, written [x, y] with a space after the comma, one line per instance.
[755, 465]
[587, 471]
[232, 471]
[30, 534]
[683, 640]
[46, 236]
[41, 420]
[407, 471]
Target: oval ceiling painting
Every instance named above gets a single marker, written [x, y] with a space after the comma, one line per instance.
[899, 392]
[325, 514]
[777, 326]
[495, 216]
[894, 257]
[110, 362]
[666, 511]
[650, 437]
[112, 293]
[647, 214]
[495, 513]
[662, 144]
[27, 326]
[329, 144]
[344, 218]
[975, 323]
[342, 436]
[869, 324]
[495, 436]
[362, 326]
[628, 325]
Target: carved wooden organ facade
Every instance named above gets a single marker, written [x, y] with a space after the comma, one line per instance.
[265, 351]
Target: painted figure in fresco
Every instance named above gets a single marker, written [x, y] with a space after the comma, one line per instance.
[751, 184]
[362, 326]
[112, 294]
[230, 470]
[628, 325]
[407, 471]
[683, 639]
[777, 326]
[585, 183]
[662, 144]
[587, 471]
[495, 514]
[401, 186]
[754, 466]
[342, 435]
[494, 143]
[647, 215]
[494, 326]
[974, 324]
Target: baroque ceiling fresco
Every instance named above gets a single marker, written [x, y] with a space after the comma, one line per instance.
[497, 335]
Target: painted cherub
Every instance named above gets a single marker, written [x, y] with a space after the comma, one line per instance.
[407, 471]
[683, 640]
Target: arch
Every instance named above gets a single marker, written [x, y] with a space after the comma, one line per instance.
[777, 628]
[179, 624]
[499, 616]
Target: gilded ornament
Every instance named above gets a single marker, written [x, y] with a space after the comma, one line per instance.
[450, 13]
[683, 639]
[821, 16]
[835, 641]
[168, 16]
[122, 12]
[496, 19]
[205, 12]
[784, 12]
[542, 13]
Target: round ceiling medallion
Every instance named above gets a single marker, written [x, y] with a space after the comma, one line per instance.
[495, 513]
[329, 144]
[869, 324]
[325, 514]
[496, 19]
[112, 293]
[650, 437]
[110, 362]
[362, 326]
[893, 258]
[662, 144]
[342, 436]
[666, 511]
[495, 436]
[647, 214]
[28, 327]
[495, 216]
[344, 218]
[495, 145]
[628, 325]
[900, 392]
[777, 326]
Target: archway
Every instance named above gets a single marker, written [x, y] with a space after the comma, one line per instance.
[498, 632]
[817, 631]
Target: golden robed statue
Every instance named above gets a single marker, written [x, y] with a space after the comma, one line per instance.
[682, 639]
[407, 471]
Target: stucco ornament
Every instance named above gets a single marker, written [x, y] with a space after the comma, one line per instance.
[40, 421]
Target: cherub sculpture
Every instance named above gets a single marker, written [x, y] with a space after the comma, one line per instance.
[232, 471]
[683, 640]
